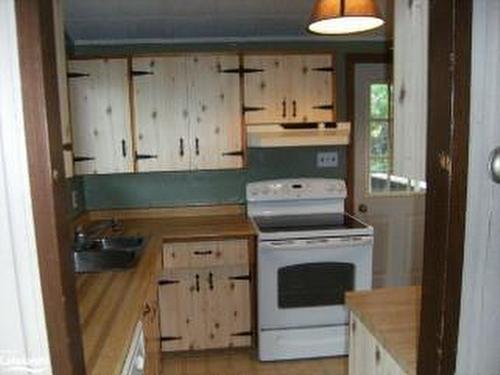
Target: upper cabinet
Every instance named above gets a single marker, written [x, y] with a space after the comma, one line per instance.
[187, 113]
[100, 116]
[161, 114]
[289, 89]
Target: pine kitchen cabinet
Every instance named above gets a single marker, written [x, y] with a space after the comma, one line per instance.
[100, 116]
[187, 113]
[289, 88]
[384, 331]
[204, 295]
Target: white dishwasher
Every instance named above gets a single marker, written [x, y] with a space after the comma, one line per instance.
[136, 357]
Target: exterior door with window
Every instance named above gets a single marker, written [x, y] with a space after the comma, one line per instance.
[393, 205]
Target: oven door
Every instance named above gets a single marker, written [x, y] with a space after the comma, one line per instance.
[301, 283]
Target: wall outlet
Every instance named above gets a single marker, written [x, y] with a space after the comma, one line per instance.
[74, 199]
[327, 159]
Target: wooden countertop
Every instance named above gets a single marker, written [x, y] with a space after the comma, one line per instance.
[110, 303]
[392, 315]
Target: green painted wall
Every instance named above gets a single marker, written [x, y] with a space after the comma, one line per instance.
[209, 187]
[165, 189]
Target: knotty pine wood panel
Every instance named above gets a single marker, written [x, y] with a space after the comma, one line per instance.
[215, 111]
[161, 113]
[266, 90]
[100, 116]
[205, 253]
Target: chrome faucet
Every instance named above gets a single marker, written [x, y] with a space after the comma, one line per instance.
[83, 237]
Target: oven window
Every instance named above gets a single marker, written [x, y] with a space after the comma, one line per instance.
[314, 284]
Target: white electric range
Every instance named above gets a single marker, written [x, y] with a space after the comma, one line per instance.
[310, 252]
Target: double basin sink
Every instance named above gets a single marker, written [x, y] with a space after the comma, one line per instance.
[108, 253]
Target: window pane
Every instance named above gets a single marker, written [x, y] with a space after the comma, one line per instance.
[380, 151]
[379, 101]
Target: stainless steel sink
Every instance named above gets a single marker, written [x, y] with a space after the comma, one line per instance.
[108, 253]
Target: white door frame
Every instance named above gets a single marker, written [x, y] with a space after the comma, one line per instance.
[24, 345]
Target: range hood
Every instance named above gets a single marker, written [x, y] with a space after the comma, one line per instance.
[297, 135]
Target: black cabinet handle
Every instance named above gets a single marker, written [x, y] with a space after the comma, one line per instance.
[283, 103]
[208, 252]
[197, 146]
[78, 159]
[124, 148]
[233, 153]
[197, 282]
[294, 106]
[211, 281]
[181, 147]
[143, 156]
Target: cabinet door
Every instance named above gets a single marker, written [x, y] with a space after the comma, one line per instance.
[182, 300]
[161, 114]
[228, 317]
[100, 116]
[215, 112]
[311, 88]
[266, 91]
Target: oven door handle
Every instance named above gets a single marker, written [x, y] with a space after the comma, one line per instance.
[315, 243]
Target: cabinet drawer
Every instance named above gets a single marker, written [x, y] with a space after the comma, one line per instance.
[205, 253]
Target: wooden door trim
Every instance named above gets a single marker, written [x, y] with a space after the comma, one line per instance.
[351, 61]
[35, 28]
[450, 26]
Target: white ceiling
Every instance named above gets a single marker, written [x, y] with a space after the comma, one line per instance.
[133, 21]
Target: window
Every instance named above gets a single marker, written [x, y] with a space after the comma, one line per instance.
[380, 153]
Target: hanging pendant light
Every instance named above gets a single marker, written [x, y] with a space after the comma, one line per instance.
[336, 17]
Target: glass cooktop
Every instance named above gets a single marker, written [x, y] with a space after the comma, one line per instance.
[314, 222]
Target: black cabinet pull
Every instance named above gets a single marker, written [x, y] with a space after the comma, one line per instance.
[143, 157]
[233, 153]
[211, 281]
[294, 106]
[197, 146]
[283, 103]
[208, 252]
[124, 148]
[197, 282]
[181, 147]
[78, 159]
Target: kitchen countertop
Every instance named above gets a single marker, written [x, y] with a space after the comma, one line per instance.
[392, 315]
[110, 303]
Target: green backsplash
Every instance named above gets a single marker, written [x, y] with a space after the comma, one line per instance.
[164, 189]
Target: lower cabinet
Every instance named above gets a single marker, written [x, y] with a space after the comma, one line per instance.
[207, 306]
[366, 355]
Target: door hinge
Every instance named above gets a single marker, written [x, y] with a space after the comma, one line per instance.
[325, 69]
[241, 71]
[168, 282]
[78, 159]
[242, 334]
[67, 146]
[452, 61]
[145, 156]
[253, 109]
[233, 153]
[77, 75]
[324, 107]
[170, 338]
[137, 73]
[241, 277]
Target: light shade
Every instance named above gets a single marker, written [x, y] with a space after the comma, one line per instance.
[334, 17]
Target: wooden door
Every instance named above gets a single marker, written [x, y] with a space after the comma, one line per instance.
[100, 116]
[182, 300]
[266, 89]
[215, 108]
[382, 199]
[161, 114]
[228, 318]
[311, 87]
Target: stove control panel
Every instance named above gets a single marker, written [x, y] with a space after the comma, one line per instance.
[294, 189]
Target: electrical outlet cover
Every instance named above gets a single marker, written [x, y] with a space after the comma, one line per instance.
[327, 159]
